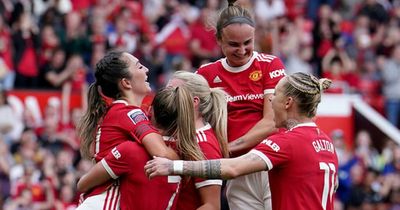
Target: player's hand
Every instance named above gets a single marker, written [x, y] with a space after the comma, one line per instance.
[158, 167]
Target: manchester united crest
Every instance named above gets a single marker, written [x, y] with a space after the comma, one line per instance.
[255, 75]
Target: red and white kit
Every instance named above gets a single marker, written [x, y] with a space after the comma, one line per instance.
[246, 86]
[189, 197]
[121, 123]
[126, 161]
[304, 168]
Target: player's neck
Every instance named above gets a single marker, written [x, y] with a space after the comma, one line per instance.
[135, 101]
[199, 122]
[291, 123]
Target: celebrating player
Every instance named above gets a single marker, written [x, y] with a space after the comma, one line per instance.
[121, 78]
[180, 111]
[249, 78]
[302, 161]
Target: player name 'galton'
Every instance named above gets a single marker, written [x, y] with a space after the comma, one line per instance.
[323, 145]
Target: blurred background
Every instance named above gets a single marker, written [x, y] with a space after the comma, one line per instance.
[49, 48]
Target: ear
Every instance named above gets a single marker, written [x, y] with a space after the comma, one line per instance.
[196, 101]
[125, 83]
[289, 102]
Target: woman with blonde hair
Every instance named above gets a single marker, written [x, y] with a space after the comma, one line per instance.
[187, 111]
[301, 160]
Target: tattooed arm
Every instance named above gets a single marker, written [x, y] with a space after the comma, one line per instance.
[227, 168]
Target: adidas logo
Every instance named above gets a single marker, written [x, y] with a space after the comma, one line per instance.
[217, 79]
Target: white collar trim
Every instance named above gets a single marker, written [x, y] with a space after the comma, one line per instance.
[206, 127]
[239, 68]
[309, 124]
[120, 101]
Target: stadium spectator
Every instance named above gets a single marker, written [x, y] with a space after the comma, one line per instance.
[7, 73]
[391, 85]
[26, 45]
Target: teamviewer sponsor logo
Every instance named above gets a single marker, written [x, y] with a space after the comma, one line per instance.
[248, 97]
[277, 73]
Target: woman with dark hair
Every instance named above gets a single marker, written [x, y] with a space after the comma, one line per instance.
[193, 117]
[114, 116]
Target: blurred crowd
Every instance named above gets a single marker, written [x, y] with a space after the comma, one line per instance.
[55, 44]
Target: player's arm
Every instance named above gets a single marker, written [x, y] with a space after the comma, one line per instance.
[227, 168]
[155, 146]
[210, 197]
[95, 176]
[258, 132]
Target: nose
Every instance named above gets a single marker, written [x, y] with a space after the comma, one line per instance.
[242, 50]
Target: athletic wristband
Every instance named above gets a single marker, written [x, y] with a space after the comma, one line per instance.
[178, 167]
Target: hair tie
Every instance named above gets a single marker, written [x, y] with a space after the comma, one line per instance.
[239, 19]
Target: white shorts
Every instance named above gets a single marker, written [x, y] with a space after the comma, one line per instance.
[249, 192]
[108, 200]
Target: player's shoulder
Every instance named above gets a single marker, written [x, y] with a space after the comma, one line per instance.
[264, 57]
[205, 134]
[128, 148]
[133, 114]
[121, 106]
[206, 68]
[126, 145]
[271, 65]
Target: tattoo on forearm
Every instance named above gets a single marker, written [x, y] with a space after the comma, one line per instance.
[213, 169]
[209, 169]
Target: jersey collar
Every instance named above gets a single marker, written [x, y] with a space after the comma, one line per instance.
[308, 124]
[119, 101]
[206, 127]
[239, 68]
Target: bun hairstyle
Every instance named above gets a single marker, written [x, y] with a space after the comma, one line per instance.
[233, 14]
[306, 89]
[231, 2]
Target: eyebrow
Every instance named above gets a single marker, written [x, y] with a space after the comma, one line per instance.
[235, 42]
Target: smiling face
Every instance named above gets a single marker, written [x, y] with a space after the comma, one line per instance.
[237, 43]
[138, 75]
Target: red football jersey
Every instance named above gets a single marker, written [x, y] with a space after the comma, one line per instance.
[126, 162]
[304, 168]
[122, 122]
[246, 87]
[189, 197]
